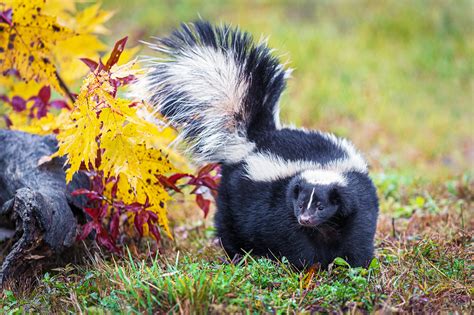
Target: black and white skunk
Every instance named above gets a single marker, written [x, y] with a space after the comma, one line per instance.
[305, 195]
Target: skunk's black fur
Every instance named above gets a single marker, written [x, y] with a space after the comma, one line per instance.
[305, 195]
[256, 217]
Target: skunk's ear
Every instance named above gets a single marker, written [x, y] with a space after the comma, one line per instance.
[335, 196]
[296, 190]
[342, 199]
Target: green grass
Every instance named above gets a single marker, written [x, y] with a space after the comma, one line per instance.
[197, 285]
[396, 77]
[423, 264]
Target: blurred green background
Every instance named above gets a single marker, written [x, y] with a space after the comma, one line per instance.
[396, 77]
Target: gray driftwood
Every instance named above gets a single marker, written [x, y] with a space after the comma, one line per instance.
[38, 216]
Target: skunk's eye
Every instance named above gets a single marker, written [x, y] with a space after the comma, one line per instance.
[296, 190]
[319, 206]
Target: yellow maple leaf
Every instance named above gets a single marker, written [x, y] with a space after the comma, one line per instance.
[91, 20]
[87, 23]
[127, 156]
[59, 34]
[10, 86]
[78, 136]
[61, 9]
[68, 53]
[128, 145]
[48, 38]
[145, 184]
[23, 89]
[26, 44]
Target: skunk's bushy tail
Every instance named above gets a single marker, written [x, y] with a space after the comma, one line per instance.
[215, 85]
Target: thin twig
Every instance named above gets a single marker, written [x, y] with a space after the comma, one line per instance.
[65, 88]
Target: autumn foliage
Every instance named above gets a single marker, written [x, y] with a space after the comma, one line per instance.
[45, 47]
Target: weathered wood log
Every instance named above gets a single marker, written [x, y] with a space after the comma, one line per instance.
[37, 211]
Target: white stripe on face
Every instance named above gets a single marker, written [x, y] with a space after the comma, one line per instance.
[310, 199]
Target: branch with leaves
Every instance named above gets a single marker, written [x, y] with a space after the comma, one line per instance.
[111, 139]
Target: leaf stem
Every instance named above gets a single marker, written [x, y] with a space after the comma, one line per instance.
[65, 87]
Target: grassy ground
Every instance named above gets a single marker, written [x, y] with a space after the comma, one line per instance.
[397, 79]
[424, 263]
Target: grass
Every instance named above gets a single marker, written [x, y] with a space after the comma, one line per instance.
[396, 77]
[423, 264]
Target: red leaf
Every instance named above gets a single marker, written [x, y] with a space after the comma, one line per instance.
[126, 80]
[154, 231]
[153, 216]
[140, 219]
[204, 204]
[94, 196]
[134, 207]
[101, 66]
[45, 94]
[91, 195]
[104, 239]
[209, 182]
[113, 192]
[116, 52]
[147, 203]
[114, 225]
[4, 98]
[207, 169]
[80, 191]
[86, 230]
[138, 226]
[42, 111]
[175, 177]
[97, 183]
[6, 17]
[165, 182]
[90, 63]
[103, 210]
[18, 104]
[93, 212]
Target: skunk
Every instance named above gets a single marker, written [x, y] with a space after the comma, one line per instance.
[284, 192]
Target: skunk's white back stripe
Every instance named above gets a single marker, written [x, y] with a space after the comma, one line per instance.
[323, 177]
[269, 167]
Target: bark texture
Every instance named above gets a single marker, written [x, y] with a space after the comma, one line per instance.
[38, 215]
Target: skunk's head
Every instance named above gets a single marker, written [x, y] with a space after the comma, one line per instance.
[316, 197]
